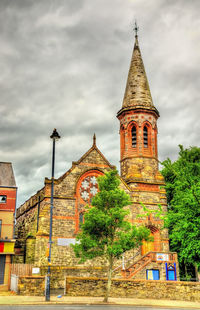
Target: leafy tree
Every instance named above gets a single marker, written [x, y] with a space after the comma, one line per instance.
[182, 179]
[106, 231]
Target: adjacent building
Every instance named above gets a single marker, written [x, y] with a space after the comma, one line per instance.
[140, 178]
[8, 193]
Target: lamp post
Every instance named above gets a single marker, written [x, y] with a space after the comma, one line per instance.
[55, 136]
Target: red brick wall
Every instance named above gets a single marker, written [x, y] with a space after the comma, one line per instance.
[11, 199]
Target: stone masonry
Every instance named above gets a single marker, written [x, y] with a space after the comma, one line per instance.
[140, 178]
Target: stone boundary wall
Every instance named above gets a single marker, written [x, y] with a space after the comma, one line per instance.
[171, 290]
[59, 273]
[31, 286]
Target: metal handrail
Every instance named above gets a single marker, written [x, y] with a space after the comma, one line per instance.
[125, 262]
[122, 266]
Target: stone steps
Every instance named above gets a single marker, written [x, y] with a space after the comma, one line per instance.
[137, 266]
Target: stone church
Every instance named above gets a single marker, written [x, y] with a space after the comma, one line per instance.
[140, 178]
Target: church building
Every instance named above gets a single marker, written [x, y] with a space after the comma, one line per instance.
[140, 178]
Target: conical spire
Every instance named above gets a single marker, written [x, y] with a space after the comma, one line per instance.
[137, 93]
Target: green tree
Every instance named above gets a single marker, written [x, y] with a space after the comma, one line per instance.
[106, 231]
[182, 179]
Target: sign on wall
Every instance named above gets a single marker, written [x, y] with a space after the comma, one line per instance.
[7, 247]
[162, 257]
[65, 241]
[35, 270]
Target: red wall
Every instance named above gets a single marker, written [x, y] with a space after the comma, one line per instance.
[11, 199]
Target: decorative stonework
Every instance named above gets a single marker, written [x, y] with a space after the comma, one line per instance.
[88, 188]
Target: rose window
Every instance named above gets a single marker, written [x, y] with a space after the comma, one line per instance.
[88, 188]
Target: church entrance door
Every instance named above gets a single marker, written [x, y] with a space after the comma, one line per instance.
[147, 246]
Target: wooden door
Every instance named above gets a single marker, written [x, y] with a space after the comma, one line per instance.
[147, 246]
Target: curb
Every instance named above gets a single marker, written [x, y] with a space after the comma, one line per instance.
[20, 300]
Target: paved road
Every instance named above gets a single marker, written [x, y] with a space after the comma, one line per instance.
[84, 307]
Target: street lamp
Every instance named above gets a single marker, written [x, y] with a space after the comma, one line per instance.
[55, 136]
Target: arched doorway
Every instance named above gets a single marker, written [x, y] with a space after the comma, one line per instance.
[152, 246]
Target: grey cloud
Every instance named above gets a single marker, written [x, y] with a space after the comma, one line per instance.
[64, 64]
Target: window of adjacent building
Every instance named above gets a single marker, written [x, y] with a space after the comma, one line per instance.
[145, 136]
[3, 199]
[134, 136]
[0, 227]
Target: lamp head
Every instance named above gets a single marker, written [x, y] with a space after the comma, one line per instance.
[55, 135]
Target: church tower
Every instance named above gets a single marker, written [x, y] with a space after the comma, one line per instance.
[139, 156]
[138, 127]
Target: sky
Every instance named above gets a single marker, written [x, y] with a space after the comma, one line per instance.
[64, 65]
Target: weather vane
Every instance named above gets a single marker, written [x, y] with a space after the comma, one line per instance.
[136, 29]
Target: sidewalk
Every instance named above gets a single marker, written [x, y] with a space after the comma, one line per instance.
[38, 300]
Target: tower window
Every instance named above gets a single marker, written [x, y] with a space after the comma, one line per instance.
[134, 136]
[145, 136]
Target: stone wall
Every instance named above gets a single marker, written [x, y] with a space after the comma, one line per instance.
[31, 285]
[33, 216]
[172, 290]
[30, 250]
[59, 273]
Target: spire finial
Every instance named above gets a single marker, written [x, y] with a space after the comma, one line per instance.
[94, 139]
[136, 29]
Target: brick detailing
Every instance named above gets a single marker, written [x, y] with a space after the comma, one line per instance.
[148, 187]
[146, 156]
[139, 156]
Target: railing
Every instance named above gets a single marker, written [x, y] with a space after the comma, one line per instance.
[149, 257]
[138, 265]
[125, 262]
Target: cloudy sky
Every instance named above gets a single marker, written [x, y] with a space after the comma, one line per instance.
[64, 65]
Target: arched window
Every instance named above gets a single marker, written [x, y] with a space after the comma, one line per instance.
[145, 136]
[122, 137]
[134, 136]
[81, 218]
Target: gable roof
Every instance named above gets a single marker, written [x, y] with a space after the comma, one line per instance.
[94, 148]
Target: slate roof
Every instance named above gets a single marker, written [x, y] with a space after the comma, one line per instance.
[6, 175]
[137, 94]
